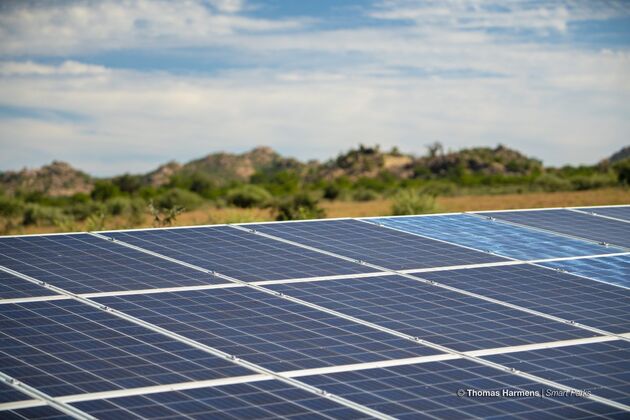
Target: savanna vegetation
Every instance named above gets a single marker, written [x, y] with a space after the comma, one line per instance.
[262, 185]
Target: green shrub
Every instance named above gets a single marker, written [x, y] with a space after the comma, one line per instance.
[10, 207]
[550, 182]
[365, 195]
[34, 214]
[413, 202]
[622, 168]
[299, 207]
[178, 198]
[104, 190]
[81, 211]
[248, 196]
[589, 182]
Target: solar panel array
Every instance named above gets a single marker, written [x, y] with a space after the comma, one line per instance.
[493, 314]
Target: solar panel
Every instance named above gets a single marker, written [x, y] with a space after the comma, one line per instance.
[82, 263]
[238, 254]
[601, 368]
[376, 245]
[447, 318]
[592, 303]
[66, 347]
[430, 389]
[494, 236]
[331, 333]
[572, 223]
[12, 287]
[264, 329]
[618, 212]
[613, 270]
[261, 400]
[35, 413]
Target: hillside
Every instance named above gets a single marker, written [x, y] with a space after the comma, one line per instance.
[56, 179]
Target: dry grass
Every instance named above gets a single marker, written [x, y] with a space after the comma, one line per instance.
[213, 215]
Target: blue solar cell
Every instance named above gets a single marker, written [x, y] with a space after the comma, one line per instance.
[44, 412]
[377, 245]
[569, 297]
[8, 394]
[82, 263]
[619, 212]
[431, 313]
[431, 389]
[494, 236]
[266, 330]
[258, 400]
[66, 347]
[15, 287]
[613, 270]
[572, 223]
[601, 368]
[238, 254]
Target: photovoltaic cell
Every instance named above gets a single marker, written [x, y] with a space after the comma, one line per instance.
[66, 347]
[572, 223]
[238, 254]
[15, 287]
[570, 297]
[613, 270]
[82, 263]
[602, 368]
[619, 212]
[8, 394]
[259, 400]
[374, 244]
[438, 315]
[494, 236]
[272, 332]
[430, 390]
[44, 412]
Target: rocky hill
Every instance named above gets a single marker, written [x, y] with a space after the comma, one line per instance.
[56, 179]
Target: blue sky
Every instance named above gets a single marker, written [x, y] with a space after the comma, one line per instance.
[116, 87]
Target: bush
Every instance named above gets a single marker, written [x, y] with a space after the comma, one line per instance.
[81, 211]
[550, 182]
[365, 195]
[104, 190]
[178, 198]
[589, 182]
[34, 214]
[299, 207]
[10, 207]
[248, 196]
[622, 168]
[413, 202]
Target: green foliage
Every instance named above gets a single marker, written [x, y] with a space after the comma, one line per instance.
[127, 183]
[278, 183]
[552, 183]
[35, 214]
[104, 190]
[622, 168]
[299, 207]
[197, 182]
[413, 202]
[164, 216]
[178, 198]
[10, 207]
[589, 182]
[247, 196]
[365, 195]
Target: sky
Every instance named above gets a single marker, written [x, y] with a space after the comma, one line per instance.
[123, 86]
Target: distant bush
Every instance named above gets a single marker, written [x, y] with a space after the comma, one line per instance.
[299, 207]
[365, 195]
[622, 168]
[178, 198]
[10, 207]
[413, 202]
[104, 190]
[589, 182]
[248, 196]
[550, 182]
[35, 214]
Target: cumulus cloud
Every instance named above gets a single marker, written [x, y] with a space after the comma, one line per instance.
[449, 76]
